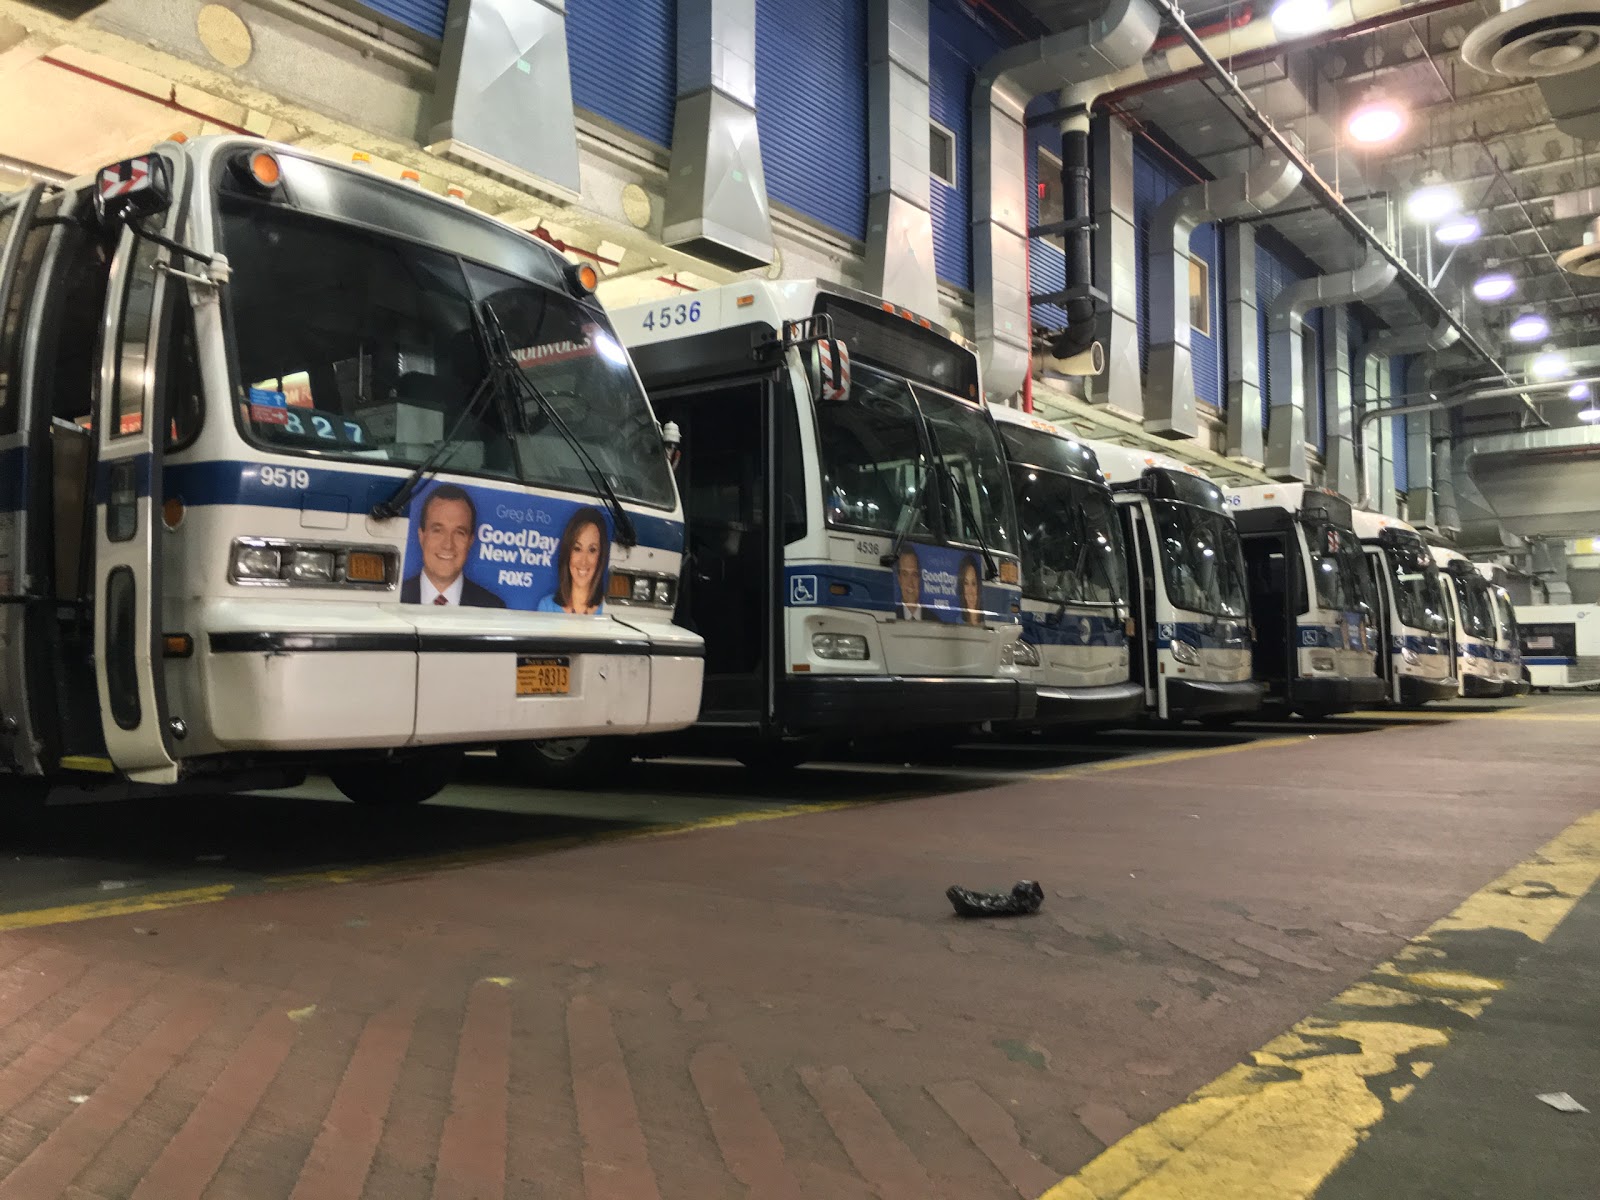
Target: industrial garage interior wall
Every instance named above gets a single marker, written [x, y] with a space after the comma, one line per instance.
[811, 108]
[1276, 270]
[1047, 257]
[423, 16]
[1399, 440]
[1155, 177]
[959, 42]
[631, 80]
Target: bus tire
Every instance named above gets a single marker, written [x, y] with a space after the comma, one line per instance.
[564, 762]
[398, 782]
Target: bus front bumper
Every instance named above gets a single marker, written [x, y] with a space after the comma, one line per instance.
[856, 705]
[1481, 687]
[1106, 704]
[1419, 689]
[1338, 693]
[1195, 699]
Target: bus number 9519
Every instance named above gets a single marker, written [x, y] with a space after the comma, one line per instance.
[286, 477]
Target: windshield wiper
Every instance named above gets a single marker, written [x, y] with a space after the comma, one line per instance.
[396, 504]
[506, 363]
[908, 516]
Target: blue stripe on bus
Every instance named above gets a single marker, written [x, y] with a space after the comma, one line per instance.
[1204, 635]
[230, 482]
[1072, 629]
[873, 589]
[1477, 650]
[1545, 660]
[1419, 643]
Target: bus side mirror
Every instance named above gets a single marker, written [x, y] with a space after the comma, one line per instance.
[829, 369]
[132, 189]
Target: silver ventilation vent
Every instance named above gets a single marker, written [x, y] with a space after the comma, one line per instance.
[1536, 40]
[1585, 259]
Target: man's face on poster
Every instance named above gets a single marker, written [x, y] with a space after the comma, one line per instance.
[910, 575]
[445, 534]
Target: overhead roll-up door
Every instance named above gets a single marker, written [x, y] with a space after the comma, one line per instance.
[423, 16]
[623, 55]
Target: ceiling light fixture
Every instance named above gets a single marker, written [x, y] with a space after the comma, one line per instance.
[1433, 202]
[1528, 327]
[1495, 286]
[1296, 18]
[1549, 364]
[1589, 414]
[1578, 392]
[1457, 231]
[1376, 121]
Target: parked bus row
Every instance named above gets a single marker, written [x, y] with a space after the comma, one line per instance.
[306, 470]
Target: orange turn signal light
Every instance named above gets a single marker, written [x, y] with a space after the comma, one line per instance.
[583, 278]
[365, 566]
[178, 645]
[172, 512]
[264, 169]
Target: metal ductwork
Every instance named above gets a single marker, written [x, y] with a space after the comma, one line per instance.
[1169, 392]
[1075, 62]
[1413, 339]
[1341, 471]
[1245, 435]
[504, 60]
[900, 265]
[1286, 426]
[1078, 338]
[1537, 483]
[1119, 387]
[716, 205]
[1556, 43]
[1446, 514]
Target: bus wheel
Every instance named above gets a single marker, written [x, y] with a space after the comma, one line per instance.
[398, 782]
[563, 762]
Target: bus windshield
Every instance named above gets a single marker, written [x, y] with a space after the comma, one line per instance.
[353, 344]
[1477, 613]
[1418, 589]
[1338, 568]
[1507, 619]
[1201, 559]
[1072, 549]
[877, 474]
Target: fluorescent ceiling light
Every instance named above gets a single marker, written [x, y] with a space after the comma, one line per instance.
[1433, 203]
[1295, 18]
[1454, 231]
[1376, 122]
[1589, 414]
[1578, 391]
[1529, 327]
[1496, 285]
[1552, 364]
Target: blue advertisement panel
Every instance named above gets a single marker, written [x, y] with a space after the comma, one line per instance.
[484, 548]
[936, 583]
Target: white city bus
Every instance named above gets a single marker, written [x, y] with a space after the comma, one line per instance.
[1311, 598]
[1508, 635]
[1414, 613]
[1077, 605]
[1471, 607]
[303, 468]
[853, 556]
[1191, 641]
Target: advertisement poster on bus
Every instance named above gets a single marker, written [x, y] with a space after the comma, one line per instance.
[935, 583]
[481, 548]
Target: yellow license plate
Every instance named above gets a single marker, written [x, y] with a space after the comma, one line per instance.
[543, 676]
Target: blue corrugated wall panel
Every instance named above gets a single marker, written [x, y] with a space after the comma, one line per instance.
[1273, 274]
[1400, 431]
[425, 16]
[631, 80]
[1155, 177]
[811, 108]
[958, 44]
[1047, 260]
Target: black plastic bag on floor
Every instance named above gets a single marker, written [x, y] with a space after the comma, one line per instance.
[1023, 899]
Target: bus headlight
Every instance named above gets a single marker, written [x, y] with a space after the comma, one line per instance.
[256, 562]
[664, 595]
[642, 589]
[1022, 654]
[1409, 657]
[1185, 652]
[839, 647]
[1323, 662]
[630, 587]
[311, 564]
[308, 566]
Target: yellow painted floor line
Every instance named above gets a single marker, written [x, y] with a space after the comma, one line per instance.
[1172, 756]
[121, 907]
[1275, 1127]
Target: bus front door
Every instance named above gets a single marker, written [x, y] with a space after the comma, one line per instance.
[726, 479]
[1268, 567]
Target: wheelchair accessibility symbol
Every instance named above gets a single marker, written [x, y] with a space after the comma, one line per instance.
[1310, 637]
[802, 589]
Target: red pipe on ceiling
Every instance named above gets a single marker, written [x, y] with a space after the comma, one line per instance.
[168, 101]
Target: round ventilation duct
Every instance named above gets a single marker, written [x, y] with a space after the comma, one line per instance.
[1537, 39]
[1585, 259]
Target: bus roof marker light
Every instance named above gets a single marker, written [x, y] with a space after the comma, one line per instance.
[1495, 286]
[1528, 327]
[582, 278]
[259, 169]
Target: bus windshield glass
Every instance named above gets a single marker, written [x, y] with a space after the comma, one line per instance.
[1071, 540]
[1477, 613]
[1418, 589]
[877, 473]
[1201, 559]
[1338, 568]
[353, 344]
[1506, 618]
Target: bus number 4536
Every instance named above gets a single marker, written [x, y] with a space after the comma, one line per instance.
[669, 315]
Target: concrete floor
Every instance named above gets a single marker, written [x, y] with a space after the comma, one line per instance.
[513, 993]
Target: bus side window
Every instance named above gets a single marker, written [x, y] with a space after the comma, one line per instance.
[12, 311]
[79, 313]
[791, 471]
[183, 375]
